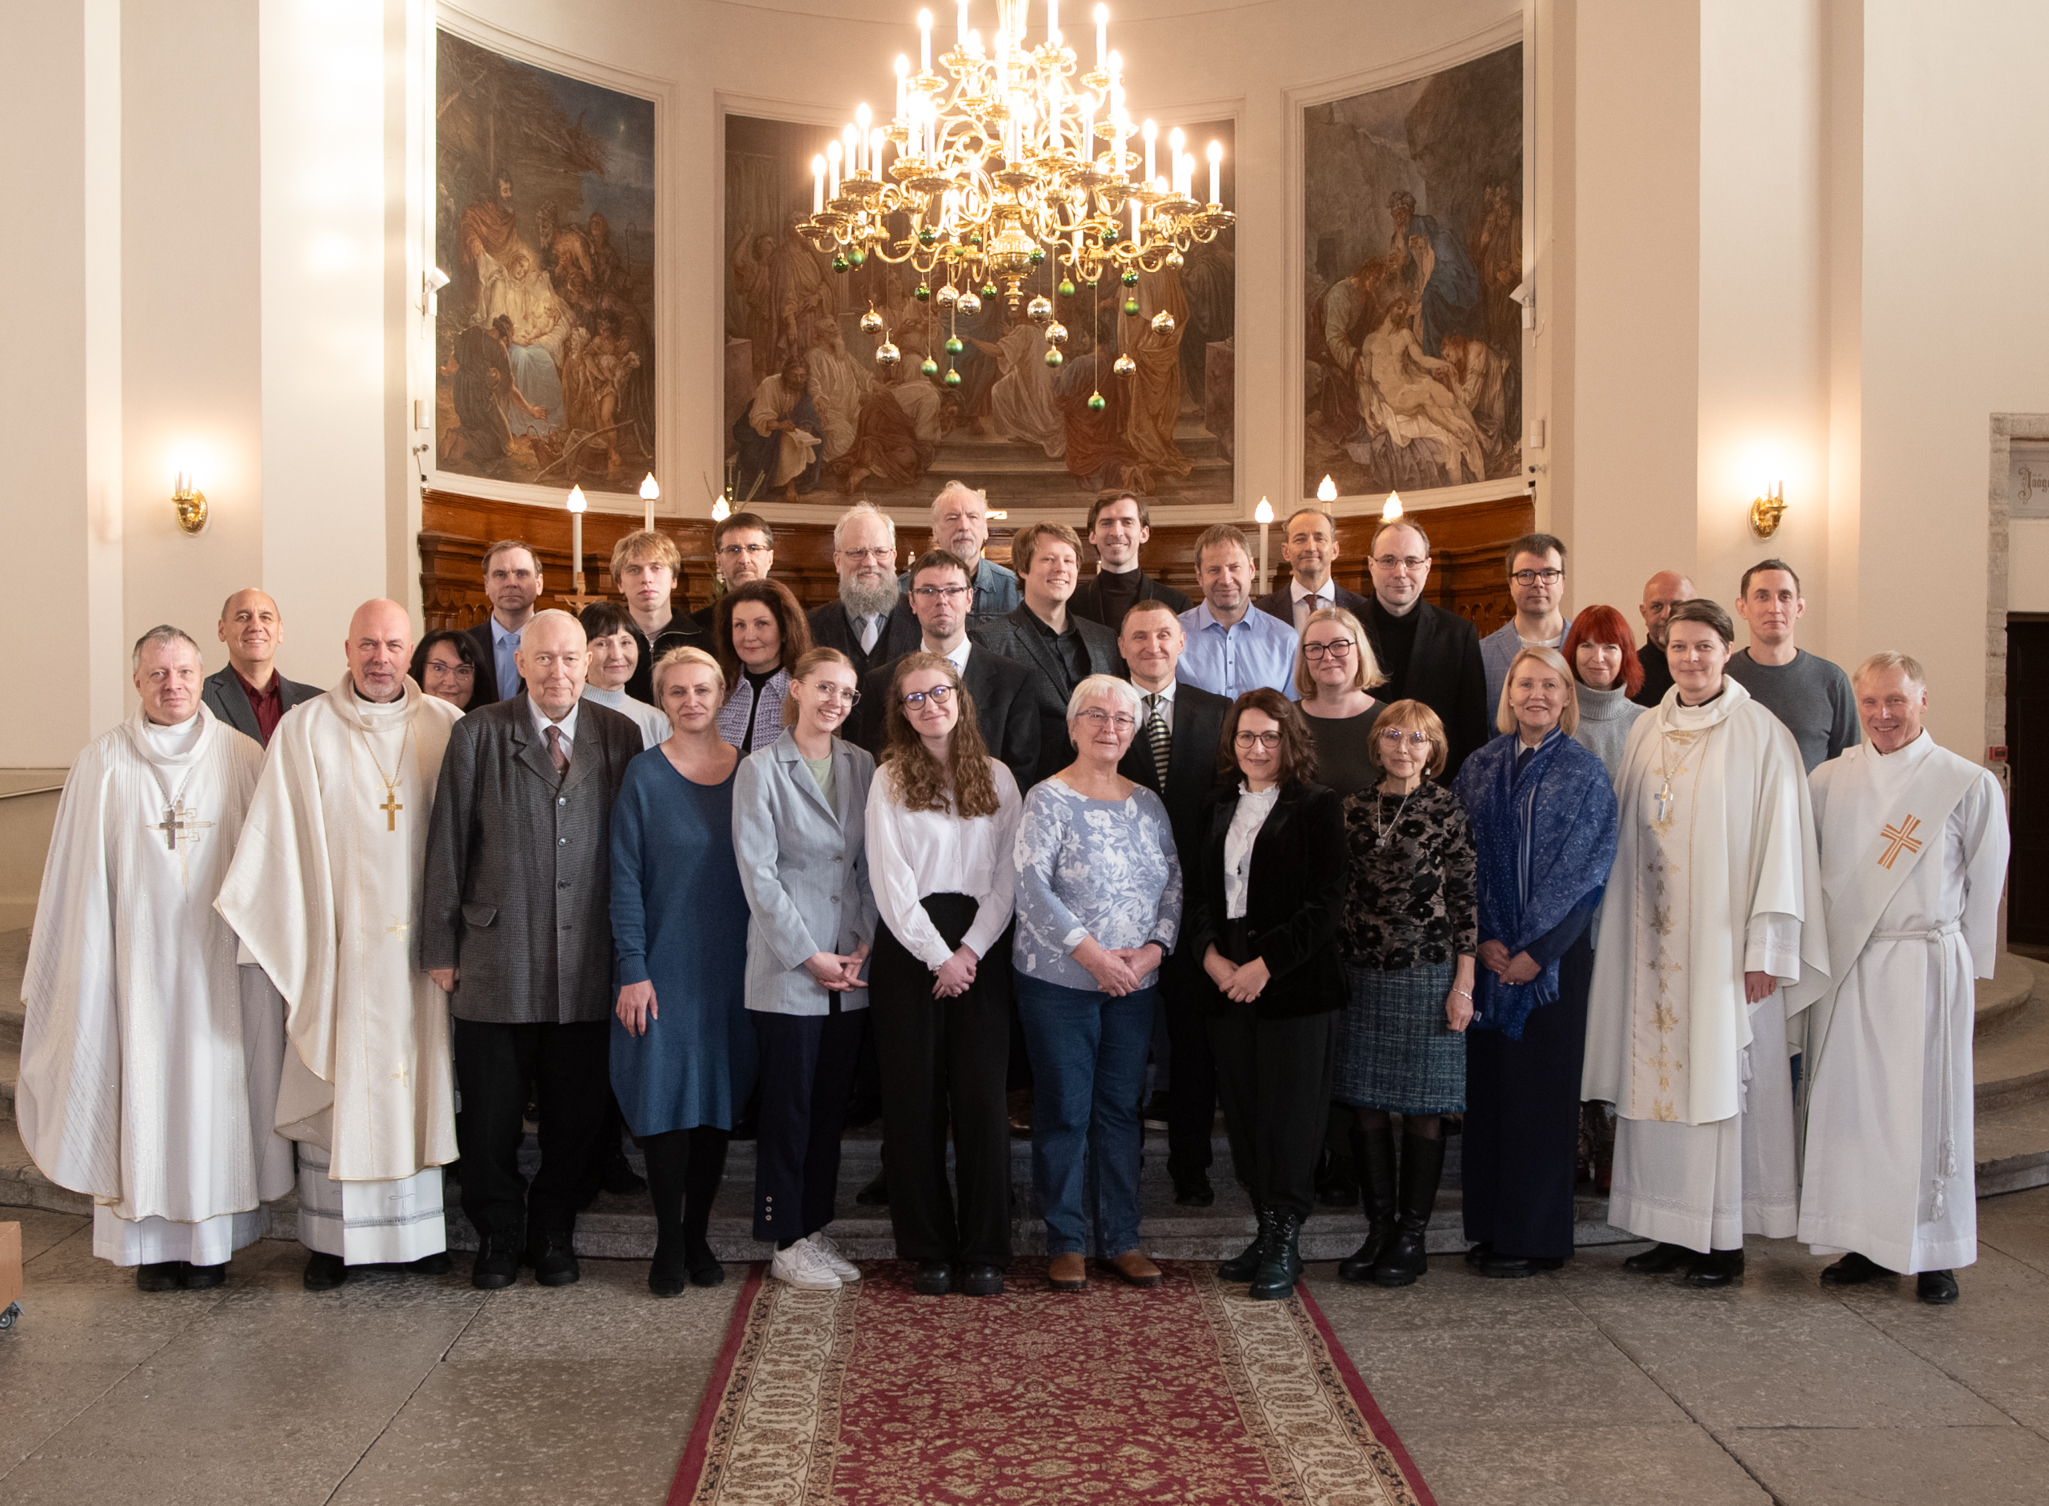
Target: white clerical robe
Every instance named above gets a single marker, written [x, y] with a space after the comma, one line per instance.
[1913, 854]
[149, 1064]
[324, 891]
[1715, 875]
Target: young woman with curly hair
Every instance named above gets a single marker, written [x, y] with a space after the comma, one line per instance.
[942, 818]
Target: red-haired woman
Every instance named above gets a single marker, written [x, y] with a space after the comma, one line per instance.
[1603, 660]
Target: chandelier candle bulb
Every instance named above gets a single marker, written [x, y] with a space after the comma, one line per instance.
[903, 73]
[1264, 516]
[925, 40]
[832, 168]
[817, 185]
[1216, 173]
[650, 493]
[1150, 132]
[960, 29]
[1102, 34]
[576, 506]
[1053, 23]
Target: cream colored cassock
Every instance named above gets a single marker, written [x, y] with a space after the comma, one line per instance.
[324, 891]
[1712, 881]
[1913, 856]
[149, 1060]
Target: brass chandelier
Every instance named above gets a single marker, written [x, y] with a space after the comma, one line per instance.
[1005, 161]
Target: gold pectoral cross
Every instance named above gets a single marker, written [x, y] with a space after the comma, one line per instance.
[1899, 839]
[391, 807]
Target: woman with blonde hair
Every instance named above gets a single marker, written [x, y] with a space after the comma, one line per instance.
[1408, 942]
[682, 1050]
[1543, 816]
[942, 818]
[1335, 675]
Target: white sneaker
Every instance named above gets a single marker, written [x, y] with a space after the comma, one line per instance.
[804, 1268]
[834, 1257]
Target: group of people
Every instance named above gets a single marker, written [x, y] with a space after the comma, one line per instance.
[983, 825]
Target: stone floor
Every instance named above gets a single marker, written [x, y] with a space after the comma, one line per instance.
[1584, 1387]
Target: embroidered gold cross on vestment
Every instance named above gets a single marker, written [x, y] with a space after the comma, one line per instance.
[1898, 839]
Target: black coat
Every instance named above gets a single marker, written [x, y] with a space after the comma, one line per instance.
[1191, 766]
[682, 632]
[832, 628]
[1087, 600]
[1447, 674]
[1295, 898]
[1281, 603]
[1005, 709]
[1019, 640]
[226, 699]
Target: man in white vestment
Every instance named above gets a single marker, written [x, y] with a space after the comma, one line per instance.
[1913, 857]
[324, 891]
[149, 1060]
[1712, 909]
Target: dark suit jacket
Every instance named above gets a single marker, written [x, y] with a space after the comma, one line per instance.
[1446, 674]
[1295, 897]
[517, 890]
[1657, 674]
[1281, 603]
[1018, 639]
[226, 699]
[1191, 766]
[486, 689]
[682, 632]
[831, 628]
[1006, 707]
[1087, 600]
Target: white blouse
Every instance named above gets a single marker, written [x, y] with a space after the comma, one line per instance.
[1246, 821]
[915, 853]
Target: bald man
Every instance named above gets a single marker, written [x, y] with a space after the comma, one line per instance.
[324, 892]
[515, 927]
[250, 695]
[1661, 593]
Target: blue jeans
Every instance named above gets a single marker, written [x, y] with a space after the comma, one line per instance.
[1088, 1069]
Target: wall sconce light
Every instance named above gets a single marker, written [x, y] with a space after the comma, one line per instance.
[1766, 511]
[190, 502]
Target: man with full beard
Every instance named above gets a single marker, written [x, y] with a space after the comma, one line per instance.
[870, 623]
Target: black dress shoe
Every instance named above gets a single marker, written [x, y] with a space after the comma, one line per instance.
[1194, 1191]
[163, 1276]
[440, 1263]
[1717, 1268]
[1852, 1270]
[553, 1258]
[620, 1177]
[496, 1266]
[324, 1272]
[981, 1281]
[200, 1278]
[876, 1193]
[932, 1278]
[1477, 1255]
[705, 1269]
[1936, 1288]
[667, 1278]
[1659, 1260]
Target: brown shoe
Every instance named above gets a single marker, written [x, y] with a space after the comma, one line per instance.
[1067, 1273]
[1136, 1269]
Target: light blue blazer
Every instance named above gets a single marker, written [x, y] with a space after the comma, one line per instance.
[805, 869]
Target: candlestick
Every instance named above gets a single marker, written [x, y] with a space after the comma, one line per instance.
[1053, 23]
[817, 185]
[832, 169]
[1264, 516]
[1216, 170]
[1102, 34]
[903, 73]
[925, 40]
[960, 30]
[862, 162]
[650, 493]
[576, 506]
[1149, 131]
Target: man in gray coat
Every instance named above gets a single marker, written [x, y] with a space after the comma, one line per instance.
[516, 926]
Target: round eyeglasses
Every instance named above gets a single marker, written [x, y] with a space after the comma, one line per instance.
[938, 695]
[1098, 718]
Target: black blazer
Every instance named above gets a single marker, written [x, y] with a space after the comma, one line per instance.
[517, 886]
[1191, 766]
[1446, 674]
[226, 699]
[1018, 639]
[1295, 897]
[682, 632]
[831, 628]
[486, 687]
[1087, 600]
[1005, 709]
[1281, 603]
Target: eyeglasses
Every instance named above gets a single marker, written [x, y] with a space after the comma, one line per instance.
[941, 593]
[1394, 737]
[1336, 648]
[1098, 718]
[832, 695]
[734, 551]
[938, 695]
[878, 555]
[1527, 577]
[1401, 561]
[1267, 740]
[451, 669]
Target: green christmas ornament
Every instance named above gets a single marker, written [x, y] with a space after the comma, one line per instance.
[927, 236]
[1109, 237]
[924, 294]
[1130, 307]
[1066, 287]
[988, 290]
[975, 241]
[1096, 403]
[1131, 279]
[1054, 358]
[839, 264]
[952, 378]
[953, 345]
[1038, 254]
[857, 256]
[930, 367]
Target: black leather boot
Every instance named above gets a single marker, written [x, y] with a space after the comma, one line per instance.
[1246, 1263]
[1274, 1281]
[1422, 1167]
[1377, 1186]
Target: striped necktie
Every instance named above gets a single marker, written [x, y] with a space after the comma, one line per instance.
[1158, 739]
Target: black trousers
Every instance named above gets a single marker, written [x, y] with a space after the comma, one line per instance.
[806, 1076]
[943, 1063]
[1192, 1097]
[1275, 1078]
[1522, 1121]
[570, 1068]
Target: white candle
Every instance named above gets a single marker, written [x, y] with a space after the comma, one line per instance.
[1216, 171]
[1174, 143]
[832, 169]
[1102, 34]
[650, 493]
[903, 70]
[875, 140]
[817, 185]
[862, 162]
[960, 30]
[924, 41]
[1149, 131]
[1053, 22]
[1088, 126]
[1134, 222]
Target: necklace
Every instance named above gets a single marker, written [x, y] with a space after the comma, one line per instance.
[1382, 833]
[1662, 822]
[391, 806]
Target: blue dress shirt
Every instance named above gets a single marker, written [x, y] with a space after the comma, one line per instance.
[1258, 649]
[503, 646]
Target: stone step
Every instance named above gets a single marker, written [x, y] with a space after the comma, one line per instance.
[2010, 1063]
[2005, 996]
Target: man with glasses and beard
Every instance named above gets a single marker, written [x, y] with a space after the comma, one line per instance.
[870, 623]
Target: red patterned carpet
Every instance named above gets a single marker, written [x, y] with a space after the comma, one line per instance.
[1187, 1394]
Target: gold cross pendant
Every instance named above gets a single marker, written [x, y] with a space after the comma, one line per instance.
[391, 808]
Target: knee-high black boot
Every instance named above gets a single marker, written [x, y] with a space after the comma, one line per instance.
[1422, 1167]
[1377, 1183]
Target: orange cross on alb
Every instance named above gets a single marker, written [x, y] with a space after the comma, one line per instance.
[1897, 839]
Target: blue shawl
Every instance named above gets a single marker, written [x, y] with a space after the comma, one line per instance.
[1546, 840]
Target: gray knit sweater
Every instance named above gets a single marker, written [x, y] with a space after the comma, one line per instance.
[1605, 717]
